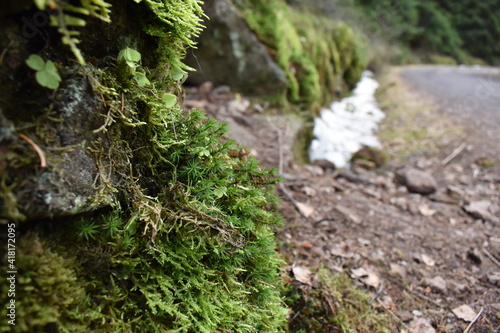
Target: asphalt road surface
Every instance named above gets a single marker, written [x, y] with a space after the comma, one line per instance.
[467, 92]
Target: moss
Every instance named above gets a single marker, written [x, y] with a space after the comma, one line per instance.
[185, 243]
[335, 305]
[48, 292]
[321, 58]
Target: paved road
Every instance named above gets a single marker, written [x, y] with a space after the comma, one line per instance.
[470, 93]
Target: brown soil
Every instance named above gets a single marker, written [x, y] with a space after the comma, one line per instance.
[420, 256]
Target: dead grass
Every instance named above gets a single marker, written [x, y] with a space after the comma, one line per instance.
[412, 123]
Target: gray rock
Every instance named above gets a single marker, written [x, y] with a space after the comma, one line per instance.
[437, 284]
[420, 325]
[480, 210]
[229, 53]
[455, 192]
[325, 164]
[416, 181]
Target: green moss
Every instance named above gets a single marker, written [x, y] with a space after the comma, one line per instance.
[321, 58]
[335, 305]
[186, 242]
[47, 291]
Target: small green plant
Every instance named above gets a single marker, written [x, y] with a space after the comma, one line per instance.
[46, 71]
[87, 230]
[169, 100]
[133, 58]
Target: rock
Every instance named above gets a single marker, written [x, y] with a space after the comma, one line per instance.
[480, 210]
[229, 53]
[437, 284]
[369, 154]
[420, 325]
[315, 170]
[399, 269]
[305, 210]
[416, 181]
[325, 164]
[428, 260]
[404, 316]
[474, 255]
[425, 210]
[494, 278]
[364, 164]
[455, 192]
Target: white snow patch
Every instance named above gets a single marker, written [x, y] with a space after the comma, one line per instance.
[347, 125]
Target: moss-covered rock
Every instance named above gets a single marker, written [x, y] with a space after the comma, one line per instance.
[320, 58]
[228, 53]
[132, 215]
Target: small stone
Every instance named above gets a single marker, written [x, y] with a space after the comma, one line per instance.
[455, 192]
[425, 210]
[474, 255]
[399, 269]
[416, 181]
[417, 313]
[305, 210]
[494, 279]
[480, 210]
[405, 316]
[428, 260]
[315, 170]
[437, 284]
[420, 325]
[364, 164]
[325, 164]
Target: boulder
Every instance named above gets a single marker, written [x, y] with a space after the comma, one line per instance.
[229, 53]
[416, 181]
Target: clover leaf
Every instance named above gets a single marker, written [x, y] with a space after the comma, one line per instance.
[46, 71]
[169, 100]
[131, 56]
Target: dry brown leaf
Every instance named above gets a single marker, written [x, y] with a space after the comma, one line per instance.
[465, 313]
[426, 210]
[304, 209]
[428, 260]
[302, 274]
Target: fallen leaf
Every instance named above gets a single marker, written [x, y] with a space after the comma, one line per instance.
[304, 209]
[372, 280]
[426, 210]
[309, 191]
[399, 269]
[465, 313]
[428, 260]
[368, 277]
[359, 272]
[306, 245]
[302, 274]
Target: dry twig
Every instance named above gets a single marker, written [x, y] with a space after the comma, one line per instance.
[474, 321]
[495, 261]
[454, 154]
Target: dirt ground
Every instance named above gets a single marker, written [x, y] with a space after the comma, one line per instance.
[427, 262]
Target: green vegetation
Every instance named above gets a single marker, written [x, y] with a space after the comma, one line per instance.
[180, 238]
[321, 58]
[336, 304]
[460, 29]
[46, 71]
